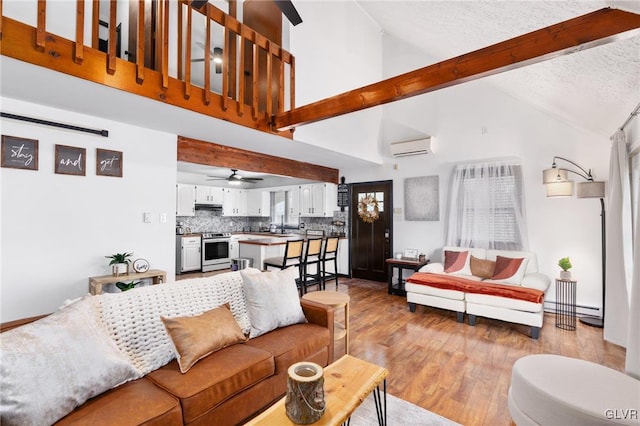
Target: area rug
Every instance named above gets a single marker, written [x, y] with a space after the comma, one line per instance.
[399, 412]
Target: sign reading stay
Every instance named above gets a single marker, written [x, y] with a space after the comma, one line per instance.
[19, 153]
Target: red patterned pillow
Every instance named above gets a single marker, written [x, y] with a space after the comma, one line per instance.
[457, 262]
[509, 270]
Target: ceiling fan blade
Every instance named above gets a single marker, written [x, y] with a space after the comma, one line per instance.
[289, 10]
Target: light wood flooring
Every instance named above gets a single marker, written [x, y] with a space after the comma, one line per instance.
[455, 370]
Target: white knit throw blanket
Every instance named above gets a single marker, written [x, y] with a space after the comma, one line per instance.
[132, 318]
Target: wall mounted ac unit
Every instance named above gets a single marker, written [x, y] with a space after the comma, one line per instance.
[417, 147]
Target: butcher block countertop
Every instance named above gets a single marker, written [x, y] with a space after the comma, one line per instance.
[275, 240]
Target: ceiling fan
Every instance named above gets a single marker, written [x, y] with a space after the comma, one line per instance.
[235, 178]
[216, 57]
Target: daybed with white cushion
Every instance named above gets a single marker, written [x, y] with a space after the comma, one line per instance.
[499, 284]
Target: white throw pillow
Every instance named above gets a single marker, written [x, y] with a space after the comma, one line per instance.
[53, 365]
[272, 300]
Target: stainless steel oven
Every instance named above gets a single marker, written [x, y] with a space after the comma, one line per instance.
[215, 251]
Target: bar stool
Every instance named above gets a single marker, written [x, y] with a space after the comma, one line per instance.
[329, 255]
[292, 257]
[312, 258]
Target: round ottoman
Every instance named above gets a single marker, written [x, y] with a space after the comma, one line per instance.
[556, 390]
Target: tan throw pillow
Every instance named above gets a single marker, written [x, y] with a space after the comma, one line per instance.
[482, 268]
[198, 336]
[509, 270]
[456, 262]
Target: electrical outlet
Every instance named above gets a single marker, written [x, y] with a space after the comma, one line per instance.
[146, 217]
[163, 218]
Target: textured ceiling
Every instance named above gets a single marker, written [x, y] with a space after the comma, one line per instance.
[596, 88]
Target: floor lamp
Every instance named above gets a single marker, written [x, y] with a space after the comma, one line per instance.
[558, 184]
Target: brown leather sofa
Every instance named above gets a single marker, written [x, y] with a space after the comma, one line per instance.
[227, 387]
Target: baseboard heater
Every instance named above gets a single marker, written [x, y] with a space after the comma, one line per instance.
[581, 310]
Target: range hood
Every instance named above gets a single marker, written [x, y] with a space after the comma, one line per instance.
[210, 207]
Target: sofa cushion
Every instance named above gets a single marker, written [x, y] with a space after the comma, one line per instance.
[137, 403]
[215, 378]
[292, 344]
[482, 268]
[53, 365]
[504, 302]
[272, 300]
[197, 336]
[457, 262]
[509, 270]
[434, 291]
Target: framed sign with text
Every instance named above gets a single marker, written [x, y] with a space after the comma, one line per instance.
[19, 153]
[71, 160]
[108, 163]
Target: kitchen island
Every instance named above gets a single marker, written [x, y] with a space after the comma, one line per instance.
[259, 249]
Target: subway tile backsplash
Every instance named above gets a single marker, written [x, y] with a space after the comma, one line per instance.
[206, 220]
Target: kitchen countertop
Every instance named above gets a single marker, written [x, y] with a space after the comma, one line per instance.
[276, 240]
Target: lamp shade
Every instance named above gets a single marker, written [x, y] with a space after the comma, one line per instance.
[554, 175]
[590, 190]
[560, 189]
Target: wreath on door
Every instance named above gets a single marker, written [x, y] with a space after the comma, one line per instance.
[368, 209]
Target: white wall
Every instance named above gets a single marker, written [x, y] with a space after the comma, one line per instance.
[337, 49]
[56, 229]
[456, 117]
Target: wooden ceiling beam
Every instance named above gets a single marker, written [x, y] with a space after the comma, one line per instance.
[212, 154]
[593, 29]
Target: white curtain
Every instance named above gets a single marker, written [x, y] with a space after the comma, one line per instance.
[619, 245]
[632, 364]
[486, 206]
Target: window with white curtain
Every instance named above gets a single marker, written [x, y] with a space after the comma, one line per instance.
[486, 208]
[635, 187]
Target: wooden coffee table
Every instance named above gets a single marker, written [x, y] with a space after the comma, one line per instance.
[347, 382]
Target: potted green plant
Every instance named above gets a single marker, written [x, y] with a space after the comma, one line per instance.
[565, 264]
[119, 263]
[127, 286]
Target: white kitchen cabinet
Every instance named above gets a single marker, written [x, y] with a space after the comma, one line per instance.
[209, 194]
[293, 202]
[191, 254]
[258, 203]
[234, 247]
[234, 202]
[185, 199]
[317, 200]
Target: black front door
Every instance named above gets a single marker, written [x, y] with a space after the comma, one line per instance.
[371, 237]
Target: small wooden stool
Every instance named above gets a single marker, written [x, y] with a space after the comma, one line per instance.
[336, 300]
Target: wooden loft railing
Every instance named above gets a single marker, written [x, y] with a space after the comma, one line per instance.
[257, 82]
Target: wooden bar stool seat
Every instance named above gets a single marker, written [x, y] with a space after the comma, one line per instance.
[292, 257]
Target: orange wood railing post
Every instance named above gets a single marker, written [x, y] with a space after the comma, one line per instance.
[207, 63]
[269, 87]
[241, 75]
[187, 57]
[180, 42]
[225, 66]
[254, 76]
[0, 19]
[78, 52]
[111, 55]
[140, 47]
[95, 24]
[165, 44]
[280, 106]
[42, 23]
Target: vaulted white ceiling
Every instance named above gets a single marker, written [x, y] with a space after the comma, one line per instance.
[596, 88]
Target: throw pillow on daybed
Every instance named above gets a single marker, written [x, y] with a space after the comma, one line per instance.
[509, 270]
[272, 299]
[55, 364]
[197, 336]
[457, 262]
[482, 268]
